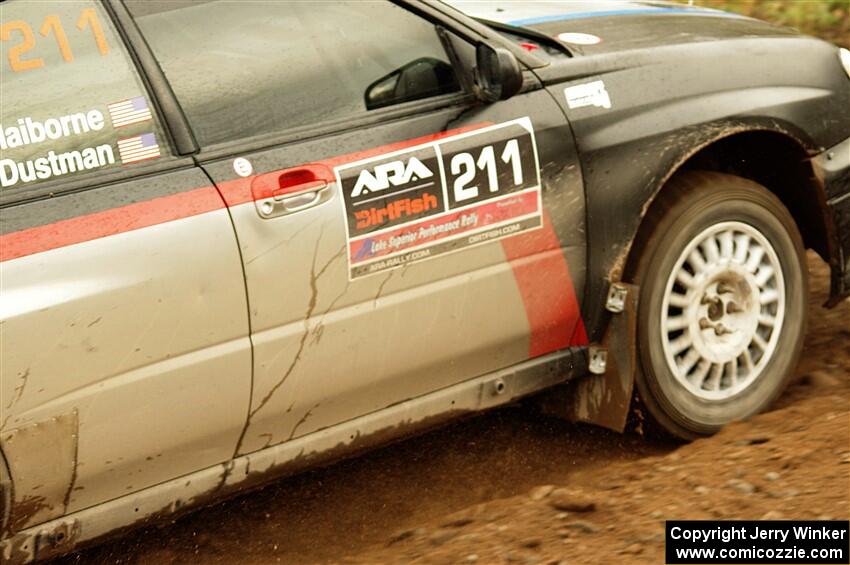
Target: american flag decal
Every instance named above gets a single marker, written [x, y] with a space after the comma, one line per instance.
[130, 111]
[139, 148]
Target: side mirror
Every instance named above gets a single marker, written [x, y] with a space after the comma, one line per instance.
[498, 75]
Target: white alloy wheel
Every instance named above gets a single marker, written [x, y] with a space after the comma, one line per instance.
[722, 311]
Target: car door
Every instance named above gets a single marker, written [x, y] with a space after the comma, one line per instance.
[124, 352]
[391, 226]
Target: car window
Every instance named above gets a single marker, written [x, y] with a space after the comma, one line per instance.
[247, 68]
[70, 100]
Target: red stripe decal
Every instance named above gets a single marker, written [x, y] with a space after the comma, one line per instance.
[544, 281]
[109, 222]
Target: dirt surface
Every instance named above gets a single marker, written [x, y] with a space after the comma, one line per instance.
[513, 486]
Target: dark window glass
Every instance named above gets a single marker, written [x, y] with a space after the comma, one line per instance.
[246, 68]
[70, 100]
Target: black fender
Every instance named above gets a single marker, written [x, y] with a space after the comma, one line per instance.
[669, 103]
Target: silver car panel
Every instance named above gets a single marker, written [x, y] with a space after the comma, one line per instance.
[142, 334]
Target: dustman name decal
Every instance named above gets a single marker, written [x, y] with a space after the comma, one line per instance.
[440, 196]
[26, 133]
[54, 164]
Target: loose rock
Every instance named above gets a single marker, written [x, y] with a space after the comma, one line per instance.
[582, 526]
[567, 500]
[459, 523]
[742, 487]
[401, 536]
[753, 441]
[541, 492]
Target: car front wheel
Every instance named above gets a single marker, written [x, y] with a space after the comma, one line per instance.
[722, 310]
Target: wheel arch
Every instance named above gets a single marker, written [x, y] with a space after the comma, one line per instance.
[778, 161]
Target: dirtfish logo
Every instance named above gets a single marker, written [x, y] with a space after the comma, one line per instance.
[394, 173]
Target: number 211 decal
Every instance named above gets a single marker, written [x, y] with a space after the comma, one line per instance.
[440, 196]
[52, 25]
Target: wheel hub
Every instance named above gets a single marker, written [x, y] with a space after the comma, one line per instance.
[724, 314]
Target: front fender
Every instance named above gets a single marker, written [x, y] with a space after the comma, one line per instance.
[669, 103]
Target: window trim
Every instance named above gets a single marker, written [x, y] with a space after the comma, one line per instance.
[465, 78]
[175, 121]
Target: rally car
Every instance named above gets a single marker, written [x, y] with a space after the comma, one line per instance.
[240, 239]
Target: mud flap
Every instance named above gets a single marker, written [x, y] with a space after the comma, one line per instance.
[605, 399]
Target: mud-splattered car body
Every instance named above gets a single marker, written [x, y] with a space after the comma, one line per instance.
[207, 315]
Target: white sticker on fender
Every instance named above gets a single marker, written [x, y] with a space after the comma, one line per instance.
[588, 94]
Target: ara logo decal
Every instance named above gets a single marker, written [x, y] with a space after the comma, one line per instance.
[588, 94]
[394, 173]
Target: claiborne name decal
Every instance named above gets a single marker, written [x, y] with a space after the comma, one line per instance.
[60, 131]
[440, 196]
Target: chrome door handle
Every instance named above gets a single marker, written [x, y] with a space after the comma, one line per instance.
[292, 190]
[290, 203]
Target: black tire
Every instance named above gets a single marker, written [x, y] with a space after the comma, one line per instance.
[689, 205]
